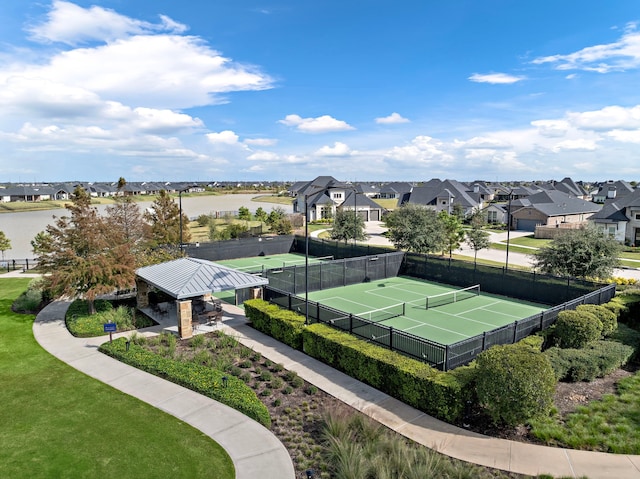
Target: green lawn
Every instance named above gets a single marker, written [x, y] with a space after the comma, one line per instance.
[57, 422]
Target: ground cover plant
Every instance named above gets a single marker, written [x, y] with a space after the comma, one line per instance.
[61, 423]
[82, 324]
[305, 418]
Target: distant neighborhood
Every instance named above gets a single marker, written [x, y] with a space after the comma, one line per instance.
[544, 208]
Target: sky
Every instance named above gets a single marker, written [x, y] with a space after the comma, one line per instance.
[287, 90]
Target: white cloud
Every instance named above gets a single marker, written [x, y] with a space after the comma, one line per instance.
[607, 118]
[478, 142]
[621, 55]
[321, 124]
[422, 151]
[263, 156]
[338, 149]
[581, 144]
[495, 78]
[392, 119]
[625, 136]
[551, 128]
[226, 137]
[71, 24]
[163, 121]
[260, 141]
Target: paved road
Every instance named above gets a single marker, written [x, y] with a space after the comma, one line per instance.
[376, 229]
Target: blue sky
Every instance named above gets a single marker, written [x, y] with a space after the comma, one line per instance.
[288, 90]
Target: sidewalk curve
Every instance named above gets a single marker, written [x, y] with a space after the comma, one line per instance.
[456, 442]
[254, 450]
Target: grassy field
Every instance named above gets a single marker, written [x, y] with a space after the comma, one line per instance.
[275, 199]
[57, 422]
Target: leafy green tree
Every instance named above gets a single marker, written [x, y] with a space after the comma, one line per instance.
[236, 230]
[164, 220]
[476, 237]
[515, 383]
[348, 226]
[204, 220]
[581, 253]
[5, 243]
[244, 213]
[453, 231]
[415, 228]
[261, 215]
[83, 255]
[282, 226]
[275, 216]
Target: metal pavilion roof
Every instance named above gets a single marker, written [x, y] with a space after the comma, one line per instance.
[190, 277]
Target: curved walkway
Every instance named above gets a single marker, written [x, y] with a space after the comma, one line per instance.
[443, 437]
[257, 453]
[254, 450]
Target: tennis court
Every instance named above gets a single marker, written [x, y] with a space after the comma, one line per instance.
[257, 264]
[433, 311]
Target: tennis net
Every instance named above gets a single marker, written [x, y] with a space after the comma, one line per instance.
[452, 296]
[302, 262]
[382, 314]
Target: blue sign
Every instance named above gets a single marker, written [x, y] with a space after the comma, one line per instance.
[109, 327]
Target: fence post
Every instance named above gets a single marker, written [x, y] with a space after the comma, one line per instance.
[391, 338]
[350, 323]
[14, 264]
[445, 363]
[515, 331]
[484, 339]
[27, 264]
[289, 301]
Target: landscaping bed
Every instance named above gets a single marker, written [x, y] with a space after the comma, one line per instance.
[301, 413]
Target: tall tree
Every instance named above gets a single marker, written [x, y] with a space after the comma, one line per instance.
[125, 215]
[244, 213]
[415, 228]
[581, 253]
[82, 255]
[477, 238]
[164, 219]
[261, 215]
[453, 232]
[347, 226]
[5, 243]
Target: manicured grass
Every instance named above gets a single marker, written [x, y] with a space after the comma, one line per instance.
[276, 199]
[530, 241]
[610, 424]
[512, 248]
[387, 204]
[57, 422]
[488, 262]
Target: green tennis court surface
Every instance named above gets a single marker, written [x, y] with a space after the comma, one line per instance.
[257, 264]
[469, 316]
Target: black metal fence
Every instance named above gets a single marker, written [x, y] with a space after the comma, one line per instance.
[517, 284]
[335, 273]
[338, 249]
[18, 264]
[240, 248]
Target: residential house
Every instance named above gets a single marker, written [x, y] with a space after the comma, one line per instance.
[444, 195]
[394, 191]
[550, 208]
[27, 193]
[610, 190]
[620, 218]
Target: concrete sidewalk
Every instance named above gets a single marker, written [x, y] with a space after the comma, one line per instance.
[443, 437]
[254, 450]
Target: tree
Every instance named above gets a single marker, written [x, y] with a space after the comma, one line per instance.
[164, 219]
[5, 243]
[244, 213]
[261, 215]
[347, 226]
[83, 255]
[477, 238]
[515, 383]
[453, 232]
[415, 228]
[581, 253]
[125, 215]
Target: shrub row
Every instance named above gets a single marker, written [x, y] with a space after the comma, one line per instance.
[202, 379]
[593, 361]
[443, 395]
[281, 324]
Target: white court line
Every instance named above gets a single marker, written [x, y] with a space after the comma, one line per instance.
[459, 315]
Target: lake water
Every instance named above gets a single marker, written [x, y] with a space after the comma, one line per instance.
[21, 228]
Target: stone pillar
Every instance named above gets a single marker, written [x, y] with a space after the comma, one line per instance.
[142, 293]
[183, 307]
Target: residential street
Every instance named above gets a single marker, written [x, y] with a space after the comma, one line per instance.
[375, 230]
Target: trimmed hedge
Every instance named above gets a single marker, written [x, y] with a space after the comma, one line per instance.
[202, 379]
[596, 360]
[443, 395]
[281, 324]
[607, 317]
[515, 383]
[577, 329]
